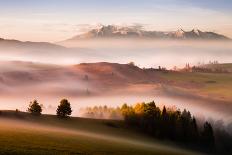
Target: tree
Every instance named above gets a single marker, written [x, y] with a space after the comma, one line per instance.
[192, 133]
[208, 135]
[131, 63]
[35, 108]
[150, 117]
[185, 121]
[129, 114]
[64, 109]
[164, 113]
[164, 123]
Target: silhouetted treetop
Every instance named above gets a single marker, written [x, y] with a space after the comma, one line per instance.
[64, 109]
[35, 108]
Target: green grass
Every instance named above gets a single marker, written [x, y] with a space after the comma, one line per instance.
[50, 135]
[218, 85]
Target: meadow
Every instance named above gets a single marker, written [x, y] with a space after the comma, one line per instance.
[22, 133]
[213, 85]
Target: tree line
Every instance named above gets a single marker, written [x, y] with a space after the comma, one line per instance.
[169, 124]
[162, 123]
[102, 112]
[165, 123]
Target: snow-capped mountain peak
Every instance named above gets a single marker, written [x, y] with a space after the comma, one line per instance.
[196, 31]
[114, 31]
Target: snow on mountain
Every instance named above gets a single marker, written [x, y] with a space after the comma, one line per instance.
[113, 31]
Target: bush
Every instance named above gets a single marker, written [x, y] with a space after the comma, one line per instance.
[64, 109]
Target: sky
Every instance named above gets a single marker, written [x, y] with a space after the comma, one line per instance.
[56, 20]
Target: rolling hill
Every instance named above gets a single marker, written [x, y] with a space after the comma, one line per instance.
[24, 134]
[90, 80]
[110, 78]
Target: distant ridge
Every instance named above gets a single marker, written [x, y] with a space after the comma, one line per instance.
[28, 44]
[112, 31]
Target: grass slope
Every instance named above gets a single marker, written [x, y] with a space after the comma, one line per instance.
[21, 133]
[214, 85]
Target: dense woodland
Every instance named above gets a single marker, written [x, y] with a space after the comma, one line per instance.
[169, 124]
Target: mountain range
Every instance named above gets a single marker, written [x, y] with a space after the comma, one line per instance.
[112, 31]
[115, 32]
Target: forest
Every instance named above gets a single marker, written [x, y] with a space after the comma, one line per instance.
[169, 124]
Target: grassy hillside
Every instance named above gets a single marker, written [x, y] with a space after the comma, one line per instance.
[21, 133]
[109, 79]
[214, 85]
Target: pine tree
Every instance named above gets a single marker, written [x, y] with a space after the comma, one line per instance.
[207, 135]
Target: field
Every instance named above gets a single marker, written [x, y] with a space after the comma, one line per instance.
[213, 85]
[21, 133]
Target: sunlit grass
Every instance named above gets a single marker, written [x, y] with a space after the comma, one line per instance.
[50, 135]
[211, 84]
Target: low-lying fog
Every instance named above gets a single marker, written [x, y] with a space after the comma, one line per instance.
[199, 108]
[16, 93]
[145, 53]
[148, 53]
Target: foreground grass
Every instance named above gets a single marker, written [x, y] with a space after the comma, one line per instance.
[21, 133]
